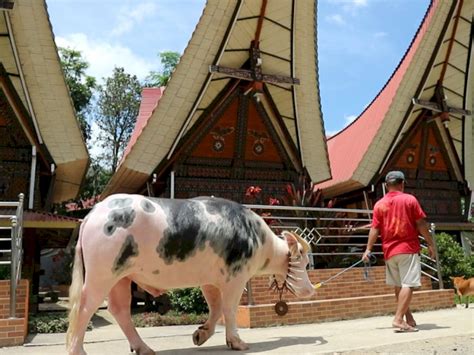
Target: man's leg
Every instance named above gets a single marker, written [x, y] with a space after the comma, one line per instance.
[408, 315]
[403, 303]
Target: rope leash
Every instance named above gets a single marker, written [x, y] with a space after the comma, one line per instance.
[367, 266]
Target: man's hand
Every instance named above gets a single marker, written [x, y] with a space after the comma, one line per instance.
[431, 252]
[365, 257]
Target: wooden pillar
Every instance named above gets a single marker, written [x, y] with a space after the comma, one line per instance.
[31, 265]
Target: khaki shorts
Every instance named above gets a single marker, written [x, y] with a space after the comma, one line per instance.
[403, 270]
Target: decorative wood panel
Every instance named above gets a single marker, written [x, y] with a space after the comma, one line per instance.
[434, 159]
[410, 156]
[234, 146]
[259, 144]
[429, 173]
[219, 142]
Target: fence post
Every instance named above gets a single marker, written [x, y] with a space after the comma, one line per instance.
[438, 265]
[249, 293]
[13, 268]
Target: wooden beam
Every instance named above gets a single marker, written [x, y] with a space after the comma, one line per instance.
[246, 74]
[278, 24]
[260, 22]
[276, 79]
[232, 72]
[450, 44]
[433, 106]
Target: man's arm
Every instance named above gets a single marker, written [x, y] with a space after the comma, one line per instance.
[373, 234]
[422, 227]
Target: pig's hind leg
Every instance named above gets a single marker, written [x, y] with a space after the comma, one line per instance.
[119, 305]
[213, 298]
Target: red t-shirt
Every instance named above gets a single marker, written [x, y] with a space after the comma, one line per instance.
[395, 216]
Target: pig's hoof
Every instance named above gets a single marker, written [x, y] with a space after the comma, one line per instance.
[237, 344]
[200, 336]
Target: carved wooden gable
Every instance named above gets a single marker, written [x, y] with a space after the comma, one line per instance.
[425, 151]
[219, 139]
[242, 132]
[236, 145]
[424, 159]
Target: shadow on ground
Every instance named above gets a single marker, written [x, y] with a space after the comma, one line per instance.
[425, 326]
[279, 343]
[100, 321]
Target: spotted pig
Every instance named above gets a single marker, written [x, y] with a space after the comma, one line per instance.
[162, 244]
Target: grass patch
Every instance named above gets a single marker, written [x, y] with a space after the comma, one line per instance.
[49, 322]
[463, 299]
[154, 319]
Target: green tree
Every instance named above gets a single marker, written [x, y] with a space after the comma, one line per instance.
[169, 60]
[96, 180]
[118, 102]
[81, 86]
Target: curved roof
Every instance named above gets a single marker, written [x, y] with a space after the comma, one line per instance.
[442, 42]
[149, 101]
[286, 30]
[30, 58]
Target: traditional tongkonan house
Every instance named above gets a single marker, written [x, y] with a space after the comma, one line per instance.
[42, 151]
[241, 109]
[420, 123]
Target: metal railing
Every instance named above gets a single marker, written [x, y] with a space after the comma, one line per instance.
[16, 251]
[335, 232]
[428, 263]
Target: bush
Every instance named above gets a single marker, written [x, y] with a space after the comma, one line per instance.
[452, 259]
[5, 272]
[52, 322]
[188, 300]
[153, 319]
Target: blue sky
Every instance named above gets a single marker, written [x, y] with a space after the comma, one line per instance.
[360, 42]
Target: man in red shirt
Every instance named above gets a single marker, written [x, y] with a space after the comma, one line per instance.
[399, 219]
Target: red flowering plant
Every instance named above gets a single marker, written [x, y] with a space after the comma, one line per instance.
[327, 223]
[253, 195]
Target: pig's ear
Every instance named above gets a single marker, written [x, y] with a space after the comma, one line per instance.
[292, 239]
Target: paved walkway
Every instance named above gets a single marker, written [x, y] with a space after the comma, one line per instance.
[318, 338]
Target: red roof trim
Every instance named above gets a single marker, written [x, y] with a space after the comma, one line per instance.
[149, 102]
[40, 216]
[347, 147]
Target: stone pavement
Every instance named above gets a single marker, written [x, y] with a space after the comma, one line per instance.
[317, 338]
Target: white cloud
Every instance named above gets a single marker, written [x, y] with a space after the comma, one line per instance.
[351, 5]
[103, 56]
[129, 16]
[330, 133]
[349, 118]
[358, 3]
[336, 19]
[380, 34]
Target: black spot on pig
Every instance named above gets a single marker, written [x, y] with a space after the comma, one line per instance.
[147, 206]
[232, 231]
[129, 250]
[119, 218]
